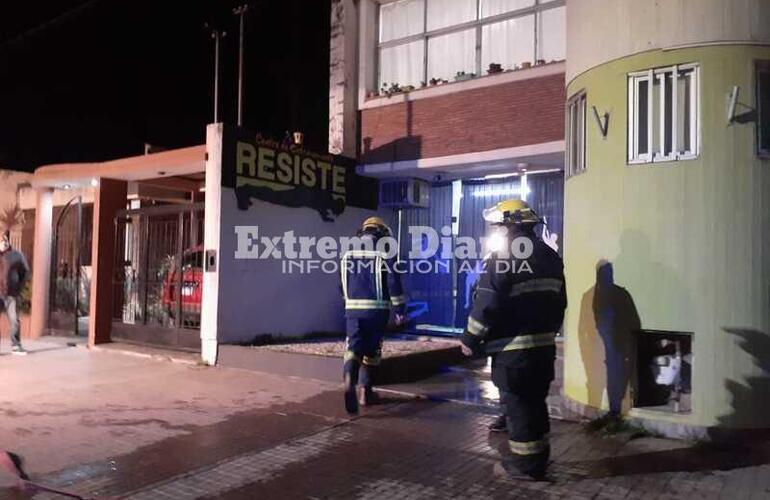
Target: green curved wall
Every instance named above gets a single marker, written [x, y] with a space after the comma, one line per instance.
[689, 240]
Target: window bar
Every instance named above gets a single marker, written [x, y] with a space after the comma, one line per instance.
[584, 109]
[661, 153]
[425, 41]
[631, 118]
[578, 128]
[538, 16]
[650, 80]
[377, 51]
[479, 69]
[674, 121]
[570, 136]
[635, 124]
[694, 110]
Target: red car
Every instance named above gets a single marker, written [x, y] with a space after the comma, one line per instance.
[192, 287]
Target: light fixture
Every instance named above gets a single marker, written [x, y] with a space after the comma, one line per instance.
[501, 176]
[94, 182]
[67, 186]
[497, 192]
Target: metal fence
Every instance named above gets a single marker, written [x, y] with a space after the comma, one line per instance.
[158, 285]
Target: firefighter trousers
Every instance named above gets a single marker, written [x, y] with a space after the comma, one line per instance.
[363, 347]
[524, 378]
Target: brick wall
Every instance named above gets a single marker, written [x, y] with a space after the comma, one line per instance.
[507, 115]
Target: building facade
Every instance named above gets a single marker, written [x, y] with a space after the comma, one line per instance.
[464, 95]
[666, 211]
[434, 88]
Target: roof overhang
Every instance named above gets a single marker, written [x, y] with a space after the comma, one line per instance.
[184, 161]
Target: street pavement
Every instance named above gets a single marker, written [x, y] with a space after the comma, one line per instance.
[107, 424]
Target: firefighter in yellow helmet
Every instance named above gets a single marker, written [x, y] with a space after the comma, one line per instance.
[518, 308]
[370, 287]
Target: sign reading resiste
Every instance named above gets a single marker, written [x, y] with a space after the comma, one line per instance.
[294, 177]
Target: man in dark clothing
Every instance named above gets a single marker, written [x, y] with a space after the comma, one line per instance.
[517, 310]
[14, 272]
[370, 287]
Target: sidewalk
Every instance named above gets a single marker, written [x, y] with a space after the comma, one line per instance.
[154, 429]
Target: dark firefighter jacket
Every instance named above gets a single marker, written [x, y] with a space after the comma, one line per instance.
[514, 309]
[370, 283]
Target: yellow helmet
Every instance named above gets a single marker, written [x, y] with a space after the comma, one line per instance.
[511, 212]
[377, 223]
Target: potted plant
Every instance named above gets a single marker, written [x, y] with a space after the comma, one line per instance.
[494, 68]
[539, 62]
[388, 91]
[525, 65]
[407, 88]
[462, 76]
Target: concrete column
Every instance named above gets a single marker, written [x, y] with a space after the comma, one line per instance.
[343, 78]
[211, 243]
[109, 197]
[41, 274]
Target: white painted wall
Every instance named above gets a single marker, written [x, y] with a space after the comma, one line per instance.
[602, 30]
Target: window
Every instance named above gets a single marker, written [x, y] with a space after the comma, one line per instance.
[576, 135]
[425, 39]
[763, 108]
[663, 114]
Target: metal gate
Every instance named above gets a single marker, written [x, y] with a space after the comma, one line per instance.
[158, 285]
[71, 269]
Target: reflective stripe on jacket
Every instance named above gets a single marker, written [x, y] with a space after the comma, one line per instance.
[370, 282]
[516, 310]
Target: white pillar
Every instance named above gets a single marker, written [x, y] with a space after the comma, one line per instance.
[41, 273]
[211, 240]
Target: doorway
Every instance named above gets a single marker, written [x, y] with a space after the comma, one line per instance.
[158, 283]
[440, 300]
[70, 287]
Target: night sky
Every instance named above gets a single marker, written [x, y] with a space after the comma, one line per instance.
[94, 80]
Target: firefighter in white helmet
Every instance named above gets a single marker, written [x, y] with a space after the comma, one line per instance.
[518, 308]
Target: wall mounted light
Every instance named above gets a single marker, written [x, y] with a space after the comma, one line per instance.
[732, 102]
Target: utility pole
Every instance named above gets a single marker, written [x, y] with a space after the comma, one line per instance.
[217, 35]
[240, 11]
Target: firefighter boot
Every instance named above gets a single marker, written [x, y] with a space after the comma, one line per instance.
[367, 396]
[350, 378]
[505, 469]
[351, 401]
[499, 424]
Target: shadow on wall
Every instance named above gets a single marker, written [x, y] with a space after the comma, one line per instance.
[658, 287]
[750, 403]
[607, 324]
[408, 147]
